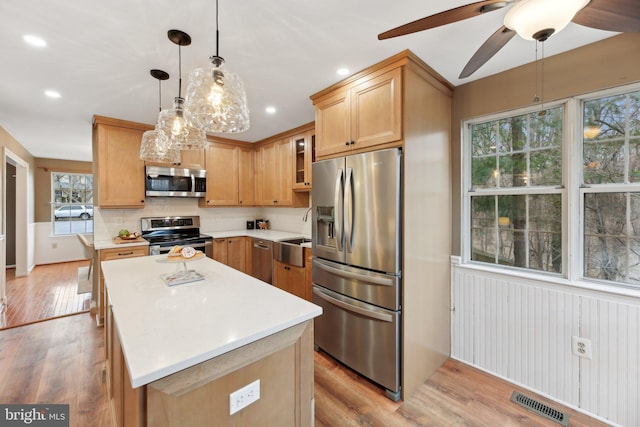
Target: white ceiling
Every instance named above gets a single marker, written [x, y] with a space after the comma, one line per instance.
[100, 52]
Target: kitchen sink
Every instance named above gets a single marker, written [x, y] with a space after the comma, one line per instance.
[290, 251]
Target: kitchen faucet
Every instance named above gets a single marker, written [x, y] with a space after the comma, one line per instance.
[306, 215]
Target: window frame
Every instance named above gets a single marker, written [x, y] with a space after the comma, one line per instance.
[53, 204]
[467, 192]
[572, 191]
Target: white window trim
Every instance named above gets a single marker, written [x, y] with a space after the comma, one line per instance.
[572, 197]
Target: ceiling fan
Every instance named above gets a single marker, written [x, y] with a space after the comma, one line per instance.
[531, 19]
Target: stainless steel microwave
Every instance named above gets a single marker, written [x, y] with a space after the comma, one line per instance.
[175, 182]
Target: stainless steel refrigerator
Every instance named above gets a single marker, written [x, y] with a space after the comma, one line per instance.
[357, 229]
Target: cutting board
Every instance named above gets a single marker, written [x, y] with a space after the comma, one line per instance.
[118, 240]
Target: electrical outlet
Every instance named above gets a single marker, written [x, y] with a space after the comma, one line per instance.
[581, 347]
[243, 397]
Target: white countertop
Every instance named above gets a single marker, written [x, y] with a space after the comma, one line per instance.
[109, 244]
[273, 235]
[166, 329]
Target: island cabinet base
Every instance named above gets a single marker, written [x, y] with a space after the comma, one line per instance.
[199, 396]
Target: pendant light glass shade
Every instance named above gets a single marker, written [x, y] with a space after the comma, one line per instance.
[181, 134]
[216, 100]
[155, 147]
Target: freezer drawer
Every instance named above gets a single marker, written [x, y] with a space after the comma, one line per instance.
[375, 288]
[364, 337]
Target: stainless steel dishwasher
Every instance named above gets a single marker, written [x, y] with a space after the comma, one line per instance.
[262, 260]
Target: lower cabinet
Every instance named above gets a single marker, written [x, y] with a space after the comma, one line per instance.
[289, 278]
[127, 403]
[109, 254]
[234, 252]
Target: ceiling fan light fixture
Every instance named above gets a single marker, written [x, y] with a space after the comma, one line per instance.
[538, 19]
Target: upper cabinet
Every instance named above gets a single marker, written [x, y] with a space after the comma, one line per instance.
[118, 170]
[230, 175]
[275, 175]
[363, 113]
[189, 159]
[303, 149]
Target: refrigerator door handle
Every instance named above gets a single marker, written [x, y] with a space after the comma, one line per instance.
[352, 308]
[375, 280]
[348, 224]
[339, 207]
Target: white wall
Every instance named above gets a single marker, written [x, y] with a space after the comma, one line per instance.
[51, 249]
[520, 328]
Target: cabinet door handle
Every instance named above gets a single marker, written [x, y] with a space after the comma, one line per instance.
[353, 142]
[346, 143]
[125, 253]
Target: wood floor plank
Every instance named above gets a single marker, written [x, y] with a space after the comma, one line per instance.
[48, 291]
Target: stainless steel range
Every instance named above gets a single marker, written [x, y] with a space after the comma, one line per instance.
[168, 231]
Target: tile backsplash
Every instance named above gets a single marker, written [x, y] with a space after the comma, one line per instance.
[107, 222]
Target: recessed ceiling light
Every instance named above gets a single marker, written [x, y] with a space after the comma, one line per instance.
[34, 40]
[342, 71]
[270, 110]
[52, 94]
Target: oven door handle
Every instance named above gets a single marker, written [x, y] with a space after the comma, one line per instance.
[166, 249]
[352, 308]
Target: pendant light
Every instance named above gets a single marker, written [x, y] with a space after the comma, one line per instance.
[155, 145]
[173, 122]
[216, 100]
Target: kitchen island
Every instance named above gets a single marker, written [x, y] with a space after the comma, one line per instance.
[176, 353]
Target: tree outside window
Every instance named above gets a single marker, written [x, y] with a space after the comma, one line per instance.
[611, 189]
[516, 189]
[72, 203]
[516, 203]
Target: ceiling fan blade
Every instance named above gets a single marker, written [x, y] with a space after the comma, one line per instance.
[611, 15]
[443, 18]
[487, 50]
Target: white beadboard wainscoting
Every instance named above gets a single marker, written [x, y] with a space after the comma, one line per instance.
[520, 329]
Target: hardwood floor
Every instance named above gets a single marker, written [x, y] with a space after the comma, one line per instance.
[48, 291]
[456, 394]
[58, 361]
[62, 360]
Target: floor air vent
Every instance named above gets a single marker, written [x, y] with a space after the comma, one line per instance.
[540, 408]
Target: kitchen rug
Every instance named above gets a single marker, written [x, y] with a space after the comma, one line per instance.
[84, 283]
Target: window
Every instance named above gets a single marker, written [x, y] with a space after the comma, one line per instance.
[515, 195]
[72, 206]
[519, 210]
[611, 190]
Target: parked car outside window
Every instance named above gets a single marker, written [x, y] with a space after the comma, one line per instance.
[73, 211]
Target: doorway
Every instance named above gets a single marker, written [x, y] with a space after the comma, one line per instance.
[10, 205]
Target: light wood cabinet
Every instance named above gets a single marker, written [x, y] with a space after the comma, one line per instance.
[232, 251]
[118, 171]
[106, 255]
[222, 175]
[230, 176]
[246, 177]
[302, 146]
[127, 403]
[274, 177]
[189, 159]
[360, 115]
[289, 278]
